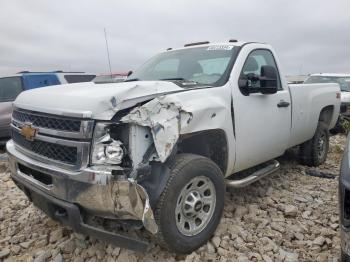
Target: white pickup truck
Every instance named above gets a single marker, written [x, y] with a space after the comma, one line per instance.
[157, 151]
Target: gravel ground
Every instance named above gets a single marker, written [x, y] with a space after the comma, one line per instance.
[288, 216]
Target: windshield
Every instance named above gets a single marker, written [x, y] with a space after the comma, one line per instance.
[10, 87]
[344, 82]
[191, 66]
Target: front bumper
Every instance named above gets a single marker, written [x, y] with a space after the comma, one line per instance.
[95, 192]
[69, 215]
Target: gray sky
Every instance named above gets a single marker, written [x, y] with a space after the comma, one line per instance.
[309, 35]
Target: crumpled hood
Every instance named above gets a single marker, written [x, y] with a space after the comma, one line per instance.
[90, 100]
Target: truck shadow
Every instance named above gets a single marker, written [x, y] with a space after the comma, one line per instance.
[285, 178]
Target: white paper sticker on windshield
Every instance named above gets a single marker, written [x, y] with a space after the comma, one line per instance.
[220, 47]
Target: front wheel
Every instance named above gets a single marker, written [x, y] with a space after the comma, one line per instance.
[191, 205]
[314, 152]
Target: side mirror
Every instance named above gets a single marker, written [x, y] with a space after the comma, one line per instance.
[267, 81]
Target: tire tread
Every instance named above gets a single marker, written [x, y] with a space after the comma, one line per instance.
[307, 151]
[180, 162]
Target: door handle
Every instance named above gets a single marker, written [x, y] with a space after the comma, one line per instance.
[283, 103]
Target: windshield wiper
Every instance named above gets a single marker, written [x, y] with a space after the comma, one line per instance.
[184, 81]
[132, 80]
[174, 78]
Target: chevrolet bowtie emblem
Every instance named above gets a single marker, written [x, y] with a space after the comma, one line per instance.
[28, 131]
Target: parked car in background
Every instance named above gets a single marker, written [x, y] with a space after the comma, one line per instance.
[344, 203]
[342, 79]
[12, 86]
[344, 82]
[296, 79]
[110, 78]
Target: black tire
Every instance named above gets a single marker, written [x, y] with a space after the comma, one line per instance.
[186, 168]
[311, 153]
[344, 257]
[338, 128]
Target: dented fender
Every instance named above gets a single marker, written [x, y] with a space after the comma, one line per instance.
[170, 116]
[165, 119]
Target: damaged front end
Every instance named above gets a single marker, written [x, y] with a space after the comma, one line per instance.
[122, 172]
[119, 153]
[135, 148]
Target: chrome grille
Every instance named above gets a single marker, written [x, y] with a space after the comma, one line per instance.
[62, 153]
[45, 121]
[61, 141]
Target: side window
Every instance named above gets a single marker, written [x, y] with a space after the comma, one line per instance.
[256, 59]
[40, 80]
[10, 88]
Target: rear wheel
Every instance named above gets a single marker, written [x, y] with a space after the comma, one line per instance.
[314, 152]
[338, 128]
[191, 205]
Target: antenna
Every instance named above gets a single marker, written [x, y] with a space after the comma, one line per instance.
[109, 60]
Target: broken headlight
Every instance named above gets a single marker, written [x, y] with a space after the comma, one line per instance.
[105, 149]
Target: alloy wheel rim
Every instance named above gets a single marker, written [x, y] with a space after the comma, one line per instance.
[195, 206]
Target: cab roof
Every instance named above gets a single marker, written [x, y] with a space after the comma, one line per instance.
[231, 42]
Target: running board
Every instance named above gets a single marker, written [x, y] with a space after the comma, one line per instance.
[270, 168]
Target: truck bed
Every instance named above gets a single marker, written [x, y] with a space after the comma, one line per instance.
[307, 102]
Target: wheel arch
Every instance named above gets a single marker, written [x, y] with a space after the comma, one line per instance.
[209, 143]
[326, 115]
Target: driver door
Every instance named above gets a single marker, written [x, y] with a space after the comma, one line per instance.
[262, 121]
